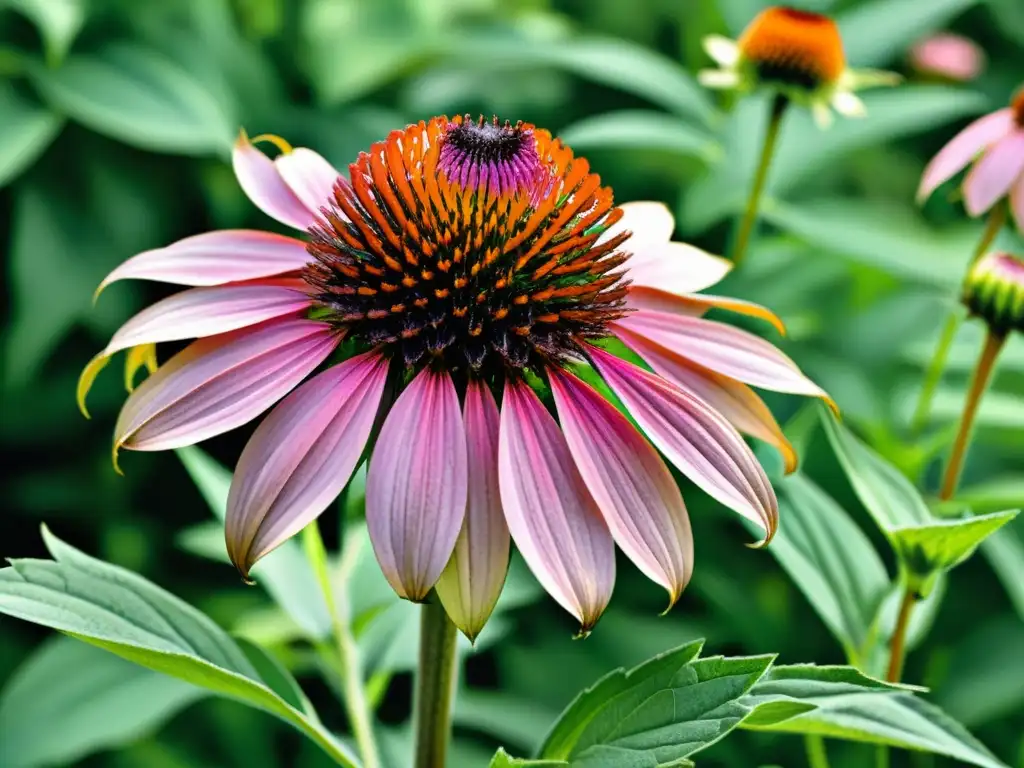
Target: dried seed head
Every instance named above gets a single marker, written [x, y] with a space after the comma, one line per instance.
[795, 48]
[994, 291]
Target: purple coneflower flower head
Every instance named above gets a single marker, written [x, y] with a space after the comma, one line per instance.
[948, 56]
[475, 271]
[997, 141]
[994, 291]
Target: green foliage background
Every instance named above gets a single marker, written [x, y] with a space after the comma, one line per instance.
[116, 123]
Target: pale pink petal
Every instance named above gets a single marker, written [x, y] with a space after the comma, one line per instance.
[1017, 203]
[201, 312]
[994, 174]
[696, 304]
[633, 488]
[416, 488]
[301, 457]
[730, 351]
[737, 402]
[221, 382]
[215, 258]
[554, 520]
[262, 182]
[696, 438]
[675, 267]
[964, 147]
[308, 175]
[475, 574]
[951, 56]
[651, 224]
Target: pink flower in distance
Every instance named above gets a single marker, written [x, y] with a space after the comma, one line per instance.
[950, 56]
[997, 141]
[465, 263]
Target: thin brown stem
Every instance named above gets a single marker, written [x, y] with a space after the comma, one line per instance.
[897, 646]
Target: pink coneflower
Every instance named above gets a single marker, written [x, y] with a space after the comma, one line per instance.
[999, 171]
[948, 56]
[464, 263]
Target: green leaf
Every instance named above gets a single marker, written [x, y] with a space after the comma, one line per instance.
[662, 711]
[69, 699]
[502, 759]
[285, 573]
[639, 129]
[123, 613]
[830, 560]
[1005, 553]
[138, 96]
[59, 22]
[25, 132]
[878, 32]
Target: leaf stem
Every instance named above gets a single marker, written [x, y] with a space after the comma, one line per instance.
[354, 696]
[746, 226]
[435, 688]
[996, 220]
[817, 756]
[983, 370]
[897, 646]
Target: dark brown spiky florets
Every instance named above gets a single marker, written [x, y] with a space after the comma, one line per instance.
[471, 245]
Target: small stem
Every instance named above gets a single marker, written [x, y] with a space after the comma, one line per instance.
[353, 694]
[817, 756]
[746, 227]
[882, 757]
[995, 222]
[897, 650]
[979, 383]
[435, 688]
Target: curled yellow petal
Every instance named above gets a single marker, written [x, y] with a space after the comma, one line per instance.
[277, 141]
[139, 356]
[87, 377]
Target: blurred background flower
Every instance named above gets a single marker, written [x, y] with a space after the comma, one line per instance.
[950, 57]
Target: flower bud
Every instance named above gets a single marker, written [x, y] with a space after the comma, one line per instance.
[994, 291]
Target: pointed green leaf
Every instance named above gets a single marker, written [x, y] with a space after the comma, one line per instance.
[633, 129]
[25, 132]
[59, 22]
[878, 31]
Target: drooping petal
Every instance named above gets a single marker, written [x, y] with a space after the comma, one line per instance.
[651, 224]
[994, 174]
[737, 402]
[696, 304]
[215, 258]
[416, 487]
[696, 438]
[1017, 203]
[632, 486]
[955, 156]
[722, 50]
[472, 581]
[301, 457]
[675, 267]
[849, 104]
[142, 356]
[719, 79]
[308, 175]
[221, 382]
[261, 180]
[553, 519]
[730, 351]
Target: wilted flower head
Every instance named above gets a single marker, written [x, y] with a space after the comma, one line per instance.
[463, 263]
[949, 56]
[994, 291]
[999, 171]
[798, 54]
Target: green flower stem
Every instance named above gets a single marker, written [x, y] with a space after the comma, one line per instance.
[817, 757]
[357, 708]
[771, 137]
[435, 688]
[996, 220]
[979, 383]
[897, 646]
[881, 757]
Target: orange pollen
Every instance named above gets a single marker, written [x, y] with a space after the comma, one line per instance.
[794, 47]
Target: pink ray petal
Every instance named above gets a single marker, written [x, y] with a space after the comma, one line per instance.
[475, 574]
[650, 222]
[308, 175]
[696, 438]
[262, 182]
[994, 174]
[215, 258]
[1017, 203]
[416, 488]
[730, 351]
[737, 402]
[964, 147]
[675, 267]
[554, 520]
[221, 382]
[696, 304]
[633, 488]
[301, 457]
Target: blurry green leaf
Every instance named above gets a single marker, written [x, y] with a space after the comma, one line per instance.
[831, 561]
[502, 759]
[1005, 553]
[277, 678]
[639, 129]
[877, 32]
[69, 699]
[662, 711]
[1001, 492]
[510, 719]
[285, 573]
[59, 22]
[142, 98]
[117, 610]
[25, 132]
[999, 410]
